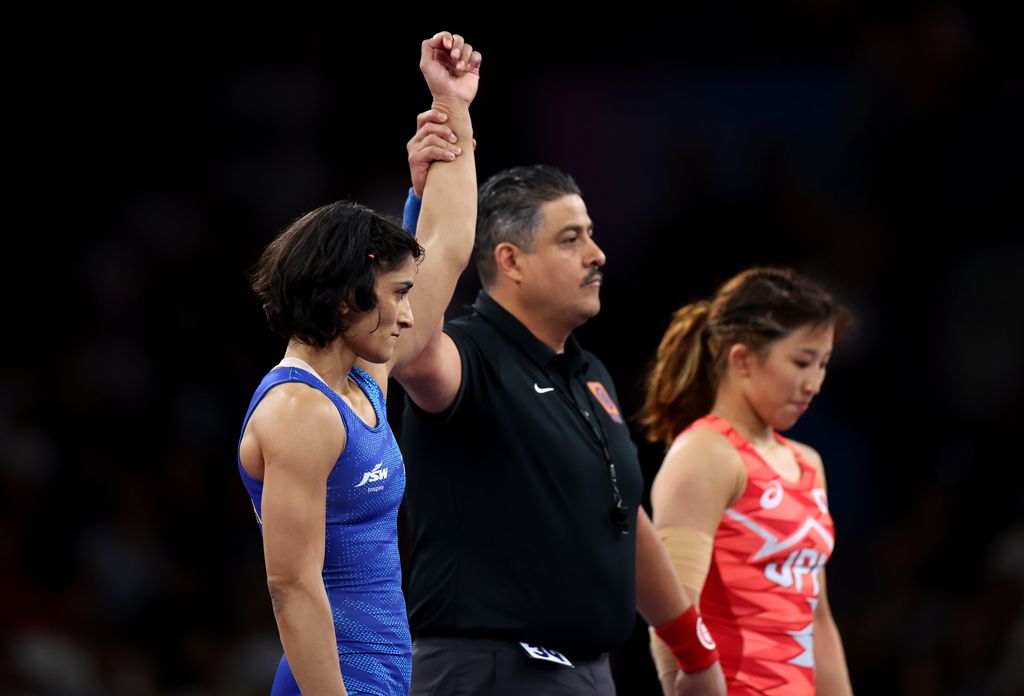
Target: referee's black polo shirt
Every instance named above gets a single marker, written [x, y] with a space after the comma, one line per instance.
[509, 495]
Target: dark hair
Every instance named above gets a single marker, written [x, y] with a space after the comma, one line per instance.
[756, 308]
[509, 211]
[328, 256]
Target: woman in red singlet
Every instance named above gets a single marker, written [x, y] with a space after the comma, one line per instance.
[741, 509]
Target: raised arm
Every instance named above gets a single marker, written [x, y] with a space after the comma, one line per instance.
[434, 141]
[447, 218]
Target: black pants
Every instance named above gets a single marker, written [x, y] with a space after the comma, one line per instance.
[478, 667]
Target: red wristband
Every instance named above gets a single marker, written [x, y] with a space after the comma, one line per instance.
[690, 641]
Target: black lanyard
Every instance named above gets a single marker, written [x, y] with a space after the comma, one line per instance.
[619, 512]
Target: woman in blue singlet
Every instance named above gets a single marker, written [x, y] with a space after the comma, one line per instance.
[316, 453]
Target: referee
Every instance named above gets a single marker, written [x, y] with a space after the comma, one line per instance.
[531, 552]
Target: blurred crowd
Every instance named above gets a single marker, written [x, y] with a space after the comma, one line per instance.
[869, 147]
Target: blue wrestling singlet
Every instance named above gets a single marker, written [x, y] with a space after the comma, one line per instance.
[362, 571]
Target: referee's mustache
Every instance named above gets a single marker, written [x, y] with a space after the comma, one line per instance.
[594, 274]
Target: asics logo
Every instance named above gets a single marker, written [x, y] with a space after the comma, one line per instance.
[373, 475]
[542, 390]
[772, 496]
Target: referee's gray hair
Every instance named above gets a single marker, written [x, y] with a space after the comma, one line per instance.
[509, 211]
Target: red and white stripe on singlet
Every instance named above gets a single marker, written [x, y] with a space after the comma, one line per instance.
[759, 597]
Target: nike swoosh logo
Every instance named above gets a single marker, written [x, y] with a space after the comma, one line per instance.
[542, 390]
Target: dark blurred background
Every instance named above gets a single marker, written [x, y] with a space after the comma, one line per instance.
[871, 147]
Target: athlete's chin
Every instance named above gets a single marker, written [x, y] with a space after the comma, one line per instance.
[378, 357]
[784, 423]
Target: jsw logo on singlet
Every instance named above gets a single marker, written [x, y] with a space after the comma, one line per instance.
[374, 475]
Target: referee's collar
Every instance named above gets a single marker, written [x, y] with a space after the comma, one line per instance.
[571, 360]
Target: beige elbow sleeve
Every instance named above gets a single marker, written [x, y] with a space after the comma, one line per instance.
[664, 660]
[690, 551]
